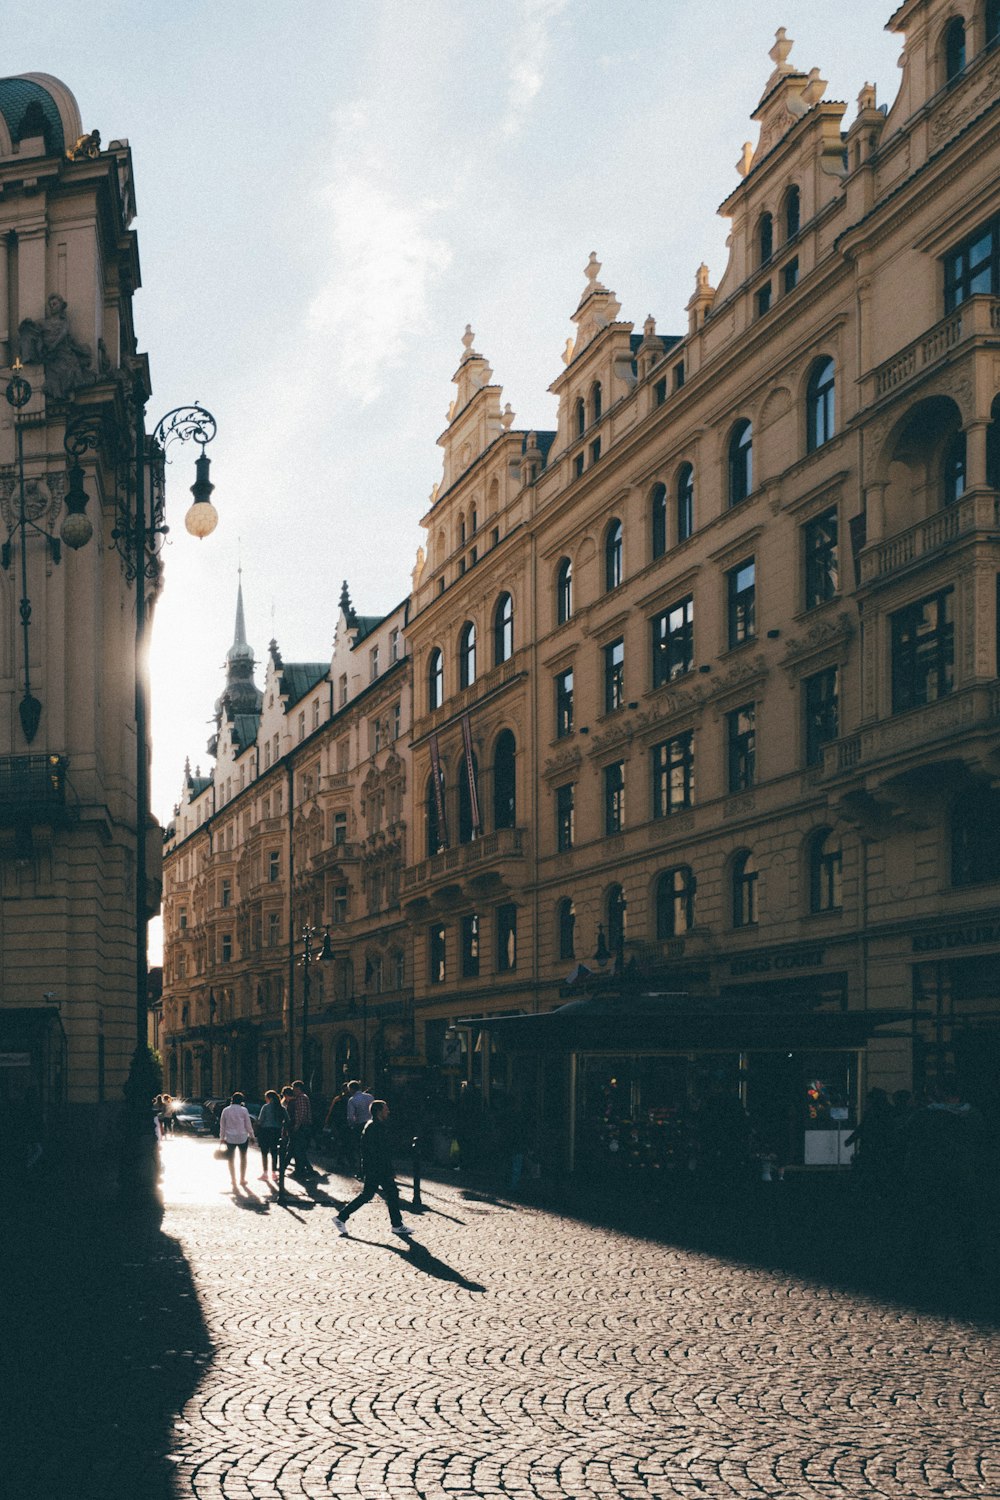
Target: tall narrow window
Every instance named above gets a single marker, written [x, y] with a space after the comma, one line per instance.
[564, 703]
[825, 864]
[923, 651]
[437, 953]
[616, 911]
[467, 655]
[675, 891]
[673, 774]
[741, 584]
[565, 816]
[506, 935]
[685, 503]
[658, 518]
[765, 239]
[580, 417]
[673, 641]
[954, 50]
[974, 267]
[822, 570]
[740, 462]
[821, 706]
[614, 676]
[470, 946]
[744, 890]
[435, 833]
[566, 923]
[820, 411]
[596, 401]
[953, 469]
[613, 556]
[467, 829]
[503, 630]
[741, 748]
[564, 591]
[435, 679]
[504, 781]
[793, 212]
[614, 797]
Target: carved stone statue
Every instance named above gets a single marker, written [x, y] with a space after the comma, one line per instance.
[51, 343]
[85, 147]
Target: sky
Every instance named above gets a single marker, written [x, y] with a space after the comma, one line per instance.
[329, 191]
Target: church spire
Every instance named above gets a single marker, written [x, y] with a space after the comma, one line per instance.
[240, 694]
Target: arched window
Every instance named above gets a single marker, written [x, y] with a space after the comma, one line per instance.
[468, 811]
[595, 401]
[613, 556]
[374, 974]
[503, 630]
[467, 655]
[566, 921]
[675, 902]
[504, 781]
[617, 914]
[658, 518]
[740, 462]
[953, 469]
[744, 890]
[564, 591]
[685, 503]
[435, 831]
[992, 19]
[765, 239]
[461, 529]
[825, 864]
[580, 417]
[435, 678]
[954, 49]
[820, 405]
[793, 212]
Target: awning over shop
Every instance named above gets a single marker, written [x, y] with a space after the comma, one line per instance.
[636, 1023]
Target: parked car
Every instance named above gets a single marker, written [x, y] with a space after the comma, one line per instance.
[189, 1116]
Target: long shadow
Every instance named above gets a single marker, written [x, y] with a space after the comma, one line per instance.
[825, 1229]
[104, 1343]
[418, 1255]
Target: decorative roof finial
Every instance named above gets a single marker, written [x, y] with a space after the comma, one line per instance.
[815, 88]
[783, 44]
[468, 338]
[346, 605]
[507, 417]
[592, 270]
[866, 98]
[567, 353]
[746, 159]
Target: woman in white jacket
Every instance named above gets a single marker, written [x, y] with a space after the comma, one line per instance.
[236, 1132]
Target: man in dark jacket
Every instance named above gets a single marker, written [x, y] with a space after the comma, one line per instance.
[376, 1169]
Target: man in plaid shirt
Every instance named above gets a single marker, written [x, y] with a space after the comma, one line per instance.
[300, 1115]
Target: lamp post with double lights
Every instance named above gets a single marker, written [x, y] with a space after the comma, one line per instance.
[138, 537]
[310, 937]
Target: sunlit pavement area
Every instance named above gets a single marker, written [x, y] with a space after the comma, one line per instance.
[244, 1349]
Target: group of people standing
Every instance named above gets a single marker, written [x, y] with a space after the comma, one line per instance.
[283, 1130]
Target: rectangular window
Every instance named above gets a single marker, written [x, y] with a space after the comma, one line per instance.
[742, 602]
[182, 918]
[343, 755]
[343, 690]
[274, 865]
[339, 829]
[273, 929]
[315, 713]
[437, 953]
[614, 676]
[578, 465]
[226, 893]
[302, 725]
[470, 946]
[564, 703]
[506, 928]
[673, 641]
[373, 657]
[821, 705]
[678, 375]
[790, 276]
[764, 300]
[614, 797]
[394, 645]
[338, 911]
[595, 450]
[923, 652]
[741, 750]
[973, 267]
[227, 947]
[565, 816]
[660, 391]
[396, 721]
[822, 569]
[673, 774]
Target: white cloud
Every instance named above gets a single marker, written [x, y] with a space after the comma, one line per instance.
[529, 51]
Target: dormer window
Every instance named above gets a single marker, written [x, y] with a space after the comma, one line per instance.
[765, 239]
[954, 50]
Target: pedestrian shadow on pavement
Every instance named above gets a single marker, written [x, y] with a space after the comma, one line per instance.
[418, 1255]
[472, 1195]
[104, 1344]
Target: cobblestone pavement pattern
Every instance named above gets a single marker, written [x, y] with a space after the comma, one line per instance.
[512, 1353]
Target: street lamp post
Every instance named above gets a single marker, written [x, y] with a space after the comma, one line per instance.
[309, 936]
[137, 538]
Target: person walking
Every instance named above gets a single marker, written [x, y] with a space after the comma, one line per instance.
[300, 1116]
[271, 1121]
[376, 1166]
[235, 1132]
[359, 1104]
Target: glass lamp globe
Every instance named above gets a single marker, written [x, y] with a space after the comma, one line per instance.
[202, 519]
[76, 531]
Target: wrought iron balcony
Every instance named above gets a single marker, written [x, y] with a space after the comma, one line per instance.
[32, 789]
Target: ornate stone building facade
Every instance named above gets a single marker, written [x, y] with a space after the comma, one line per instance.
[705, 681]
[68, 270]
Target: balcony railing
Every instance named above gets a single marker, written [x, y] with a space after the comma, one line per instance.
[979, 512]
[954, 716]
[503, 843]
[32, 787]
[980, 315]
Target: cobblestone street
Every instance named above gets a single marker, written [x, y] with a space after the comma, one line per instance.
[508, 1352]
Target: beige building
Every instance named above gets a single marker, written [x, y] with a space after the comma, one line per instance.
[68, 270]
[705, 681]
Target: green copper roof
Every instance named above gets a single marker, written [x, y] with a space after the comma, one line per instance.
[16, 95]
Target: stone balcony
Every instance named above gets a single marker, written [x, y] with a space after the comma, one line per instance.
[975, 513]
[486, 867]
[979, 316]
[923, 737]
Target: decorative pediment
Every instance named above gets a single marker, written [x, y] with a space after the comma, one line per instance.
[821, 636]
[563, 762]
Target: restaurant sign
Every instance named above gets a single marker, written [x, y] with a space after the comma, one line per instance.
[956, 937]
